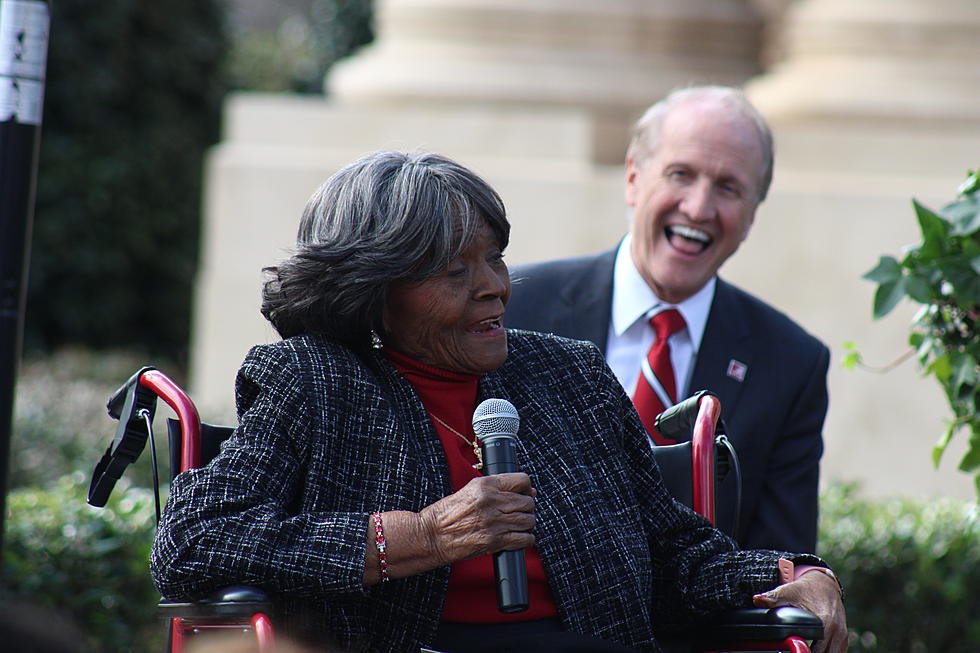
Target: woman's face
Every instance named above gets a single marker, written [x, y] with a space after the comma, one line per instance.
[454, 319]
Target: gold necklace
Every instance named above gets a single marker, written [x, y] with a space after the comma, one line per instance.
[473, 443]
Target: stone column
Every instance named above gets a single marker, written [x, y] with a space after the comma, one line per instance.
[875, 102]
[877, 61]
[612, 57]
[536, 96]
[871, 105]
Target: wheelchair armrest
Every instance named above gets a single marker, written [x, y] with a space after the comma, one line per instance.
[234, 602]
[765, 624]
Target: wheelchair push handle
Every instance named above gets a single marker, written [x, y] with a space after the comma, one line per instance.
[117, 401]
[134, 405]
[696, 418]
[190, 421]
[677, 422]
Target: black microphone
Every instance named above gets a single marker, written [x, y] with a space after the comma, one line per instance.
[495, 423]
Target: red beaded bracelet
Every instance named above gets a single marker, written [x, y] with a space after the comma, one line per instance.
[379, 542]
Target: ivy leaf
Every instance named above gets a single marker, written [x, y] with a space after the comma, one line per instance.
[887, 296]
[934, 229]
[964, 372]
[971, 184]
[887, 270]
[852, 357]
[969, 291]
[964, 215]
[959, 274]
[918, 289]
[940, 447]
[971, 460]
[942, 273]
[942, 368]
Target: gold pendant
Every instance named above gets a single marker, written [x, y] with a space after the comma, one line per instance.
[479, 457]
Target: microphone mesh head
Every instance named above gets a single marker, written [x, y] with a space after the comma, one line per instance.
[495, 417]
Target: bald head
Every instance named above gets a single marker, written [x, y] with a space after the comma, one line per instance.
[728, 102]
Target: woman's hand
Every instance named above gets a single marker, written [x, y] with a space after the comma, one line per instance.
[817, 593]
[489, 514]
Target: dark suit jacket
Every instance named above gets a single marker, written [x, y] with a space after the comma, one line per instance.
[328, 435]
[774, 416]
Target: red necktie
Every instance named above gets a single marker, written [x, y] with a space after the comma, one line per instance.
[645, 398]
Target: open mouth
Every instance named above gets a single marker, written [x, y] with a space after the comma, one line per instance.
[687, 239]
[490, 324]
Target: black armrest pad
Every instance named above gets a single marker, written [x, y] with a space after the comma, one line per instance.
[236, 601]
[765, 624]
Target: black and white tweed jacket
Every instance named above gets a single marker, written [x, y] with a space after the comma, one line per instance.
[329, 434]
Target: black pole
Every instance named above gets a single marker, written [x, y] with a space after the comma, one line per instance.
[23, 61]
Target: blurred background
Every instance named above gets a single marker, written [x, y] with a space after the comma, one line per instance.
[181, 140]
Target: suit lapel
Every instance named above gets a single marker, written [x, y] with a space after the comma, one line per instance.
[726, 350]
[586, 299]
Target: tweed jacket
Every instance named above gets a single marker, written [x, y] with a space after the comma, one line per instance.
[770, 375]
[329, 434]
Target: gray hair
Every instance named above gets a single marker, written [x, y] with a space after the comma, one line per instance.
[647, 130]
[389, 216]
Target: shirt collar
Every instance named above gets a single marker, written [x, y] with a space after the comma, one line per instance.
[634, 300]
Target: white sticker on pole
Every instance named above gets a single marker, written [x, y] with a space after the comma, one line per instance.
[23, 58]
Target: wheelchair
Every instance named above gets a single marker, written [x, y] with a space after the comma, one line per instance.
[689, 469]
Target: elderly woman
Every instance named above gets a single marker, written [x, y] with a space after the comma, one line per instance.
[351, 489]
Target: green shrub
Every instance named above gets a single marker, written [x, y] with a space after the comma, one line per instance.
[84, 563]
[297, 54]
[132, 100]
[88, 564]
[911, 569]
[60, 420]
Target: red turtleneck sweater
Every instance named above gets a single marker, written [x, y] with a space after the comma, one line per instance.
[472, 596]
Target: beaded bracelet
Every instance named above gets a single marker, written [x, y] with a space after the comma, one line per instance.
[379, 542]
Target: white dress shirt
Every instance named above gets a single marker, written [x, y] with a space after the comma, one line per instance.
[630, 333]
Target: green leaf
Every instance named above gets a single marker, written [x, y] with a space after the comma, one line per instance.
[852, 357]
[964, 216]
[964, 372]
[934, 229]
[940, 447]
[971, 459]
[923, 347]
[942, 368]
[969, 224]
[887, 270]
[887, 296]
[959, 274]
[971, 184]
[918, 289]
[969, 292]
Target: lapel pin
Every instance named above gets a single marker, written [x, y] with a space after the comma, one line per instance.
[737, 370]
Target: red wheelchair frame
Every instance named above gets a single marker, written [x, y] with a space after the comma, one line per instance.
[751, 629]
[245, 608]
[231, 609]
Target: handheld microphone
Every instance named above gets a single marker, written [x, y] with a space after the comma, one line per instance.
[495, 423]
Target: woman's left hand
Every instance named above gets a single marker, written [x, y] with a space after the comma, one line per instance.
[817, 593]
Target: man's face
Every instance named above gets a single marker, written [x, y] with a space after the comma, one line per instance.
[694, 198]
